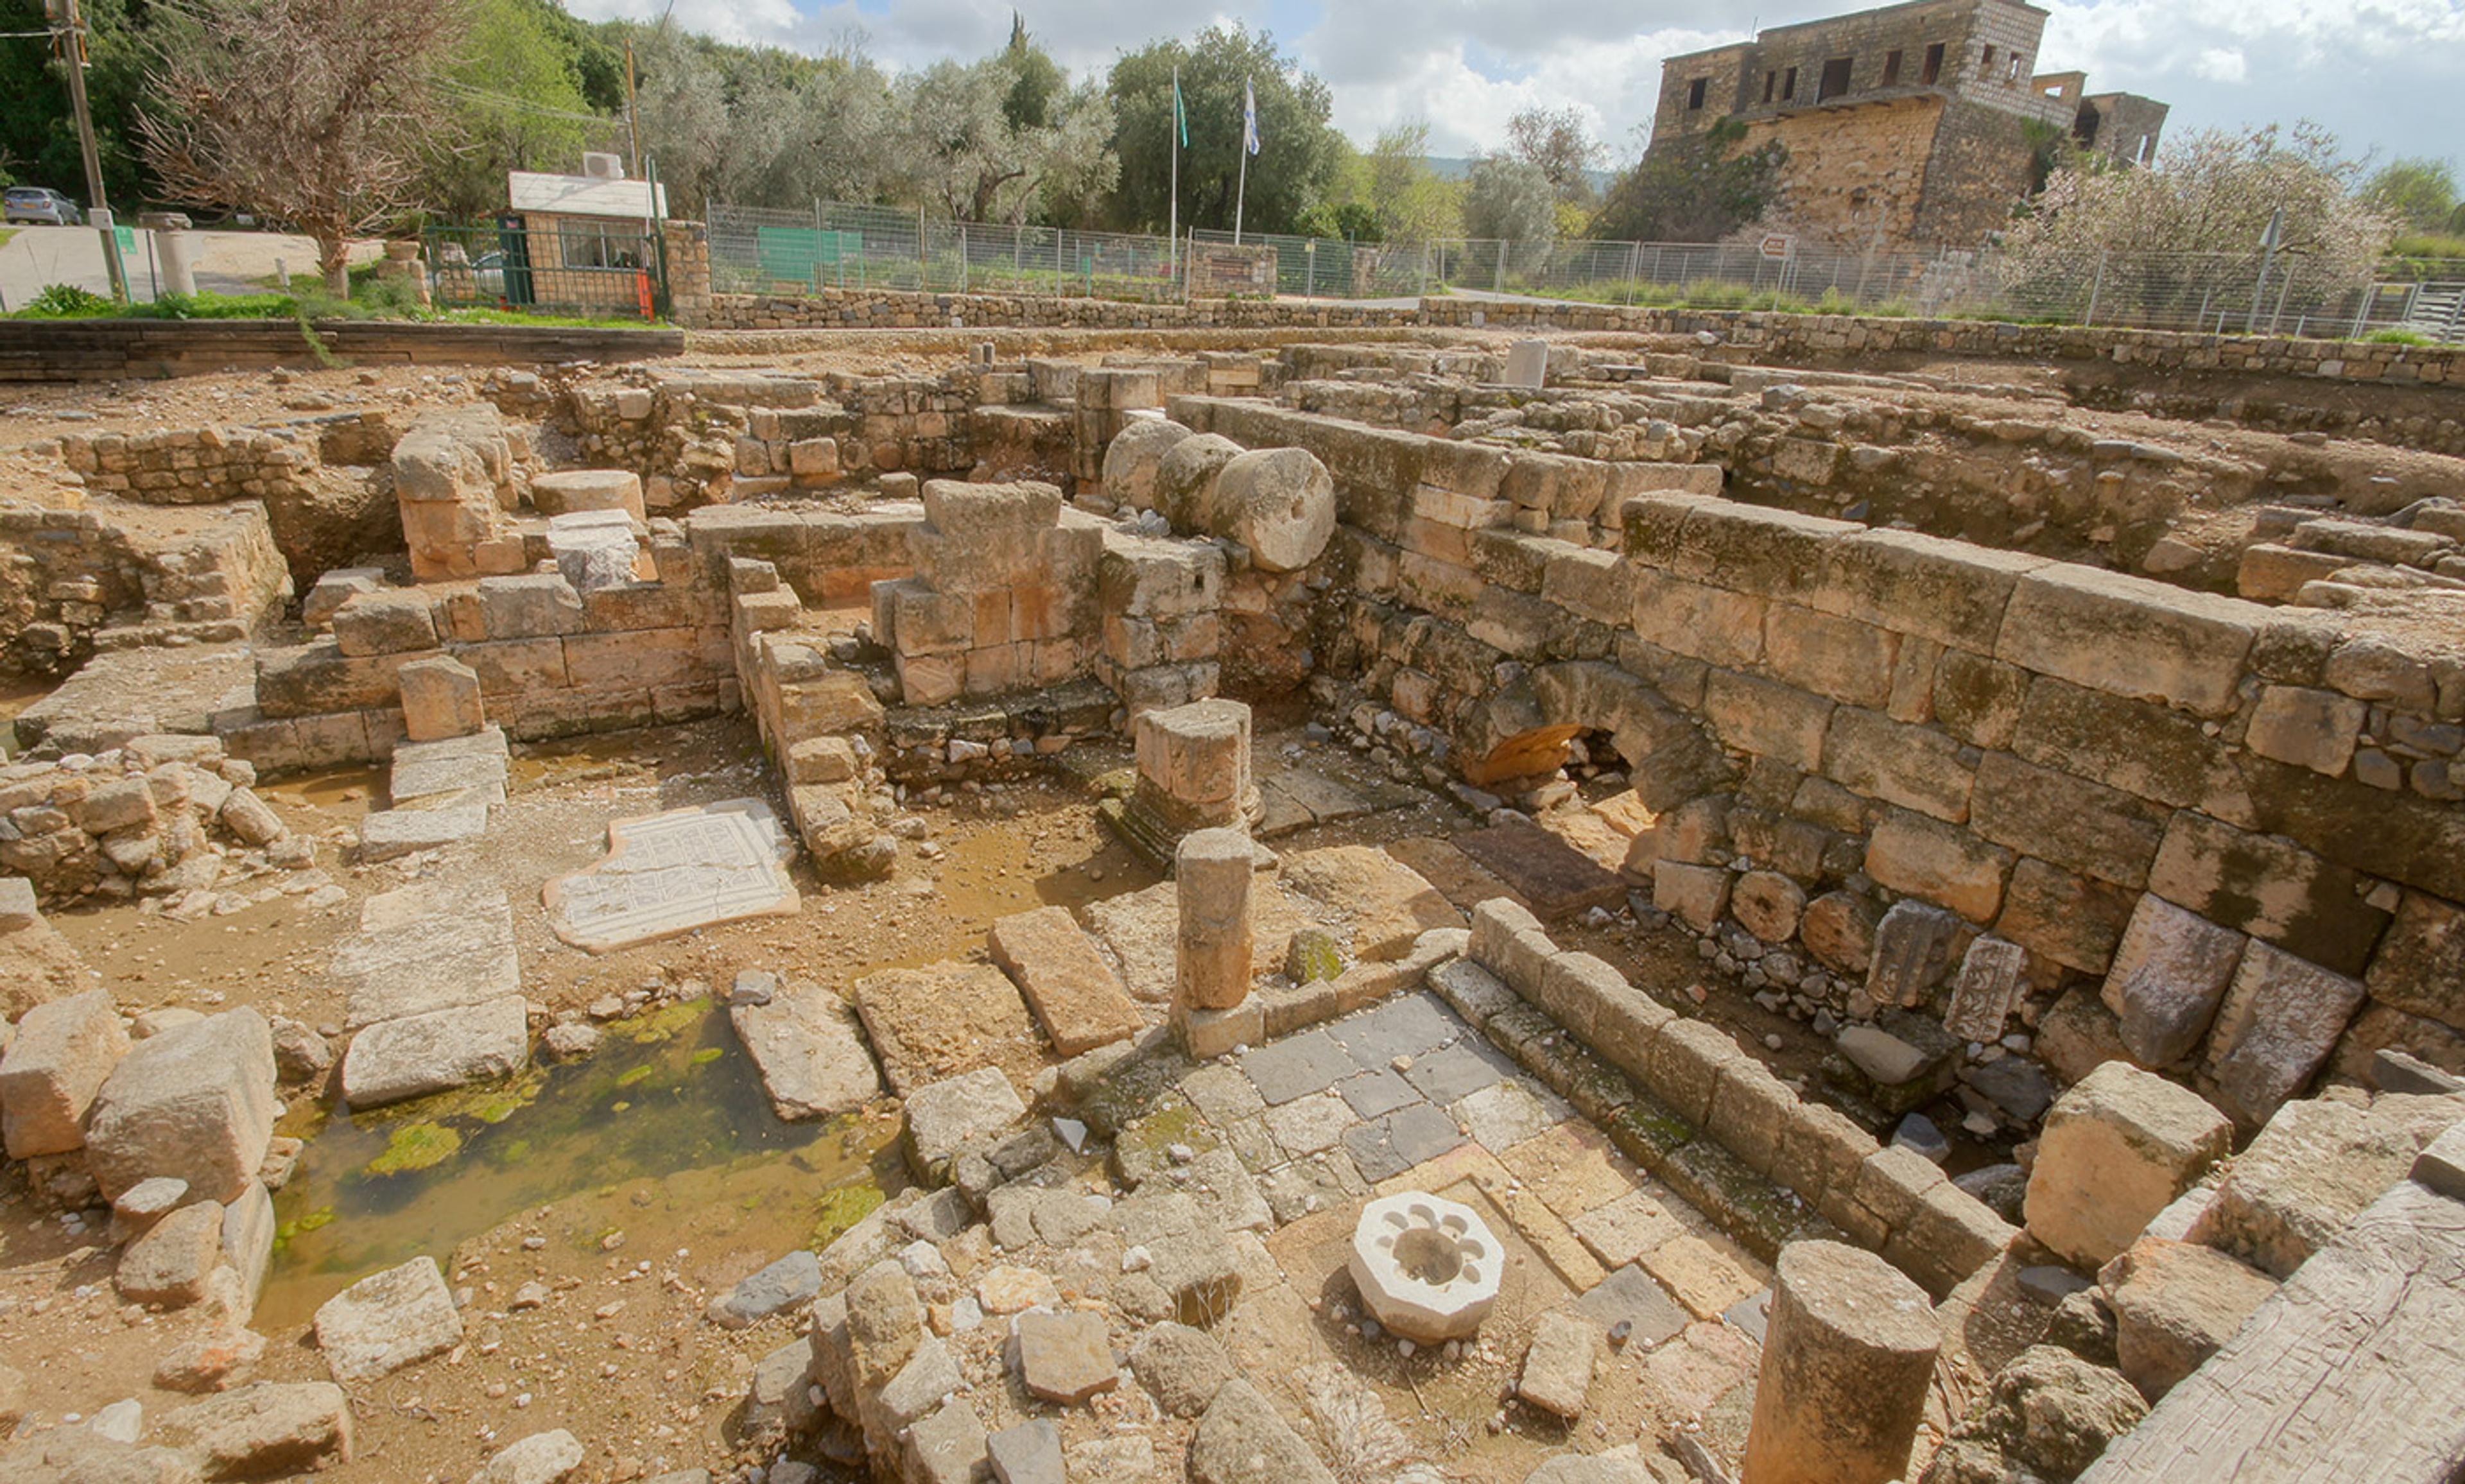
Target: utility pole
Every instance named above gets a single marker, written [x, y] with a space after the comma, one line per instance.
[2267, 260]
[67, 37]
[632, 125]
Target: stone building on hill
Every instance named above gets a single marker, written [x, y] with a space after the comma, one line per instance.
[1914, 125]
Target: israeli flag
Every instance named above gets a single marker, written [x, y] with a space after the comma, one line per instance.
[1248, 118]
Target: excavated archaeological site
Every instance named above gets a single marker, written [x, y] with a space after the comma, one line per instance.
[1728, 897]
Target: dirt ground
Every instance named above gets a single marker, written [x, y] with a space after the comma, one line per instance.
[620, 1352]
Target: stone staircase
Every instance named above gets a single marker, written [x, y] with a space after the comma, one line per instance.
[441, 792]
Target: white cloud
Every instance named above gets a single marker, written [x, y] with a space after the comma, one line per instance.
[2221, 64]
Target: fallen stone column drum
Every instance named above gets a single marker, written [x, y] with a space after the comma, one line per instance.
[1848, 1357]
[1211, 958]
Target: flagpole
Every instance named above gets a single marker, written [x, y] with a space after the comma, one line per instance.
[1241, 190]
[1173, 126]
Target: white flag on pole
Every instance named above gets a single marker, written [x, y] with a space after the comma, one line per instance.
[1248, 118]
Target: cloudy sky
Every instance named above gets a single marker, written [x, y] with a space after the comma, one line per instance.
[2382, 74]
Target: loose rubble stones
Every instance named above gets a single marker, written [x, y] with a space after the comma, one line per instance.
[803, 1043]
[268, 1430]
[414, 1056]
[388, 1320]
[57, 1062]
[196, 1103]
[947, 1116]
[1557, 1374]
[1241, 1440]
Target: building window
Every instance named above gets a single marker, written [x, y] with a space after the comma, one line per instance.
[1771, 80]
[1789, 85]
[1891, 68]
[1835, 78]
[1933, 64]
[1986, 65]
[2011, 69]
[1694, 92]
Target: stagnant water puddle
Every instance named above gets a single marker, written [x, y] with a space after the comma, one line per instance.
[669, 1111]
[16, 693]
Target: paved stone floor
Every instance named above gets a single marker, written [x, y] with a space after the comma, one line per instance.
[1406, 1095]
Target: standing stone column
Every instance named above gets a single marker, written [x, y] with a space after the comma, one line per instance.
[1194, 767]
[1848, 1357]
[1212, 1008]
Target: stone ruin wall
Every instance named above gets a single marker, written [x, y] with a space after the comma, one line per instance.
[74, 582]
[2062, 758]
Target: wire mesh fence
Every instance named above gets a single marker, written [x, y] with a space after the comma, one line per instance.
[837, 244]
[763, 249]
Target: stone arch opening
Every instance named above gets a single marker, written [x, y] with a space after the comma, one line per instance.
[1522, 730]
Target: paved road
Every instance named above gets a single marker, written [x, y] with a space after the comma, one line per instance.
[228, 263]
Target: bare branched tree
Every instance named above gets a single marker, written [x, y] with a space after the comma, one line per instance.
[309, 113]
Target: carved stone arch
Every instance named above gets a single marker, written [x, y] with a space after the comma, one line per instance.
[1522, 729]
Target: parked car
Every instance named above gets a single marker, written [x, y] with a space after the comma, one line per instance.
[486, 273]
[42, 206]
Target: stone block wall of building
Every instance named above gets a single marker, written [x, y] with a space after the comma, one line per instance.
[552, 662]
[2073, 761]
[1853, 179]
[1905, 126]
[190, 466]
[75, 581]
[1003, 598]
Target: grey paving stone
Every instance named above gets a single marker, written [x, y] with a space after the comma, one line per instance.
[1375, 1093]
[1255, 1146]
[1408, 1025]
[1455, 1073]
[1629, 1295]
[1504, 1113]
[1028, 1454]
[1297, 1066]
[1297, 1189]
[1221, 1093]
[1393, 1144]
[1751, 1314]
[1309, 1124]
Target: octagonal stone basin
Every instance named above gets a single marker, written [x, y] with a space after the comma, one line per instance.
[1426, 1267]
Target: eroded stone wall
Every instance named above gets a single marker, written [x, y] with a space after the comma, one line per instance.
[1832, 720]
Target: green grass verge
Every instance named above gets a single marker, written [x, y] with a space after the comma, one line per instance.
[305, 299]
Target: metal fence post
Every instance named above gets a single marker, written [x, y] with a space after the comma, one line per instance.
[2096, 287]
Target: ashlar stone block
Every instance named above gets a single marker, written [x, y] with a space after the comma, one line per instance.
[2118, 1148]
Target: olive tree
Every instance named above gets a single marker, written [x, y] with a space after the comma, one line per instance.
[2192, 230]
[311, 113]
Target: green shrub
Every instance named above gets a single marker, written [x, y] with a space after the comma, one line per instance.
[67, 299]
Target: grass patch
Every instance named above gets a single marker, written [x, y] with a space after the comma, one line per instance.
[303, 299]
[2397, 338]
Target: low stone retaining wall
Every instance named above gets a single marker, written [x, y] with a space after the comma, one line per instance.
[59, 350]
[1776, 336]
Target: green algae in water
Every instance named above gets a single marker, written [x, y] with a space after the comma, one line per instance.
[663, 1024]
[415, 1146]
[697, 1113]
[842, 1209]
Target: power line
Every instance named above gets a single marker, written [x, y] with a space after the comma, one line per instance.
[523, 104]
